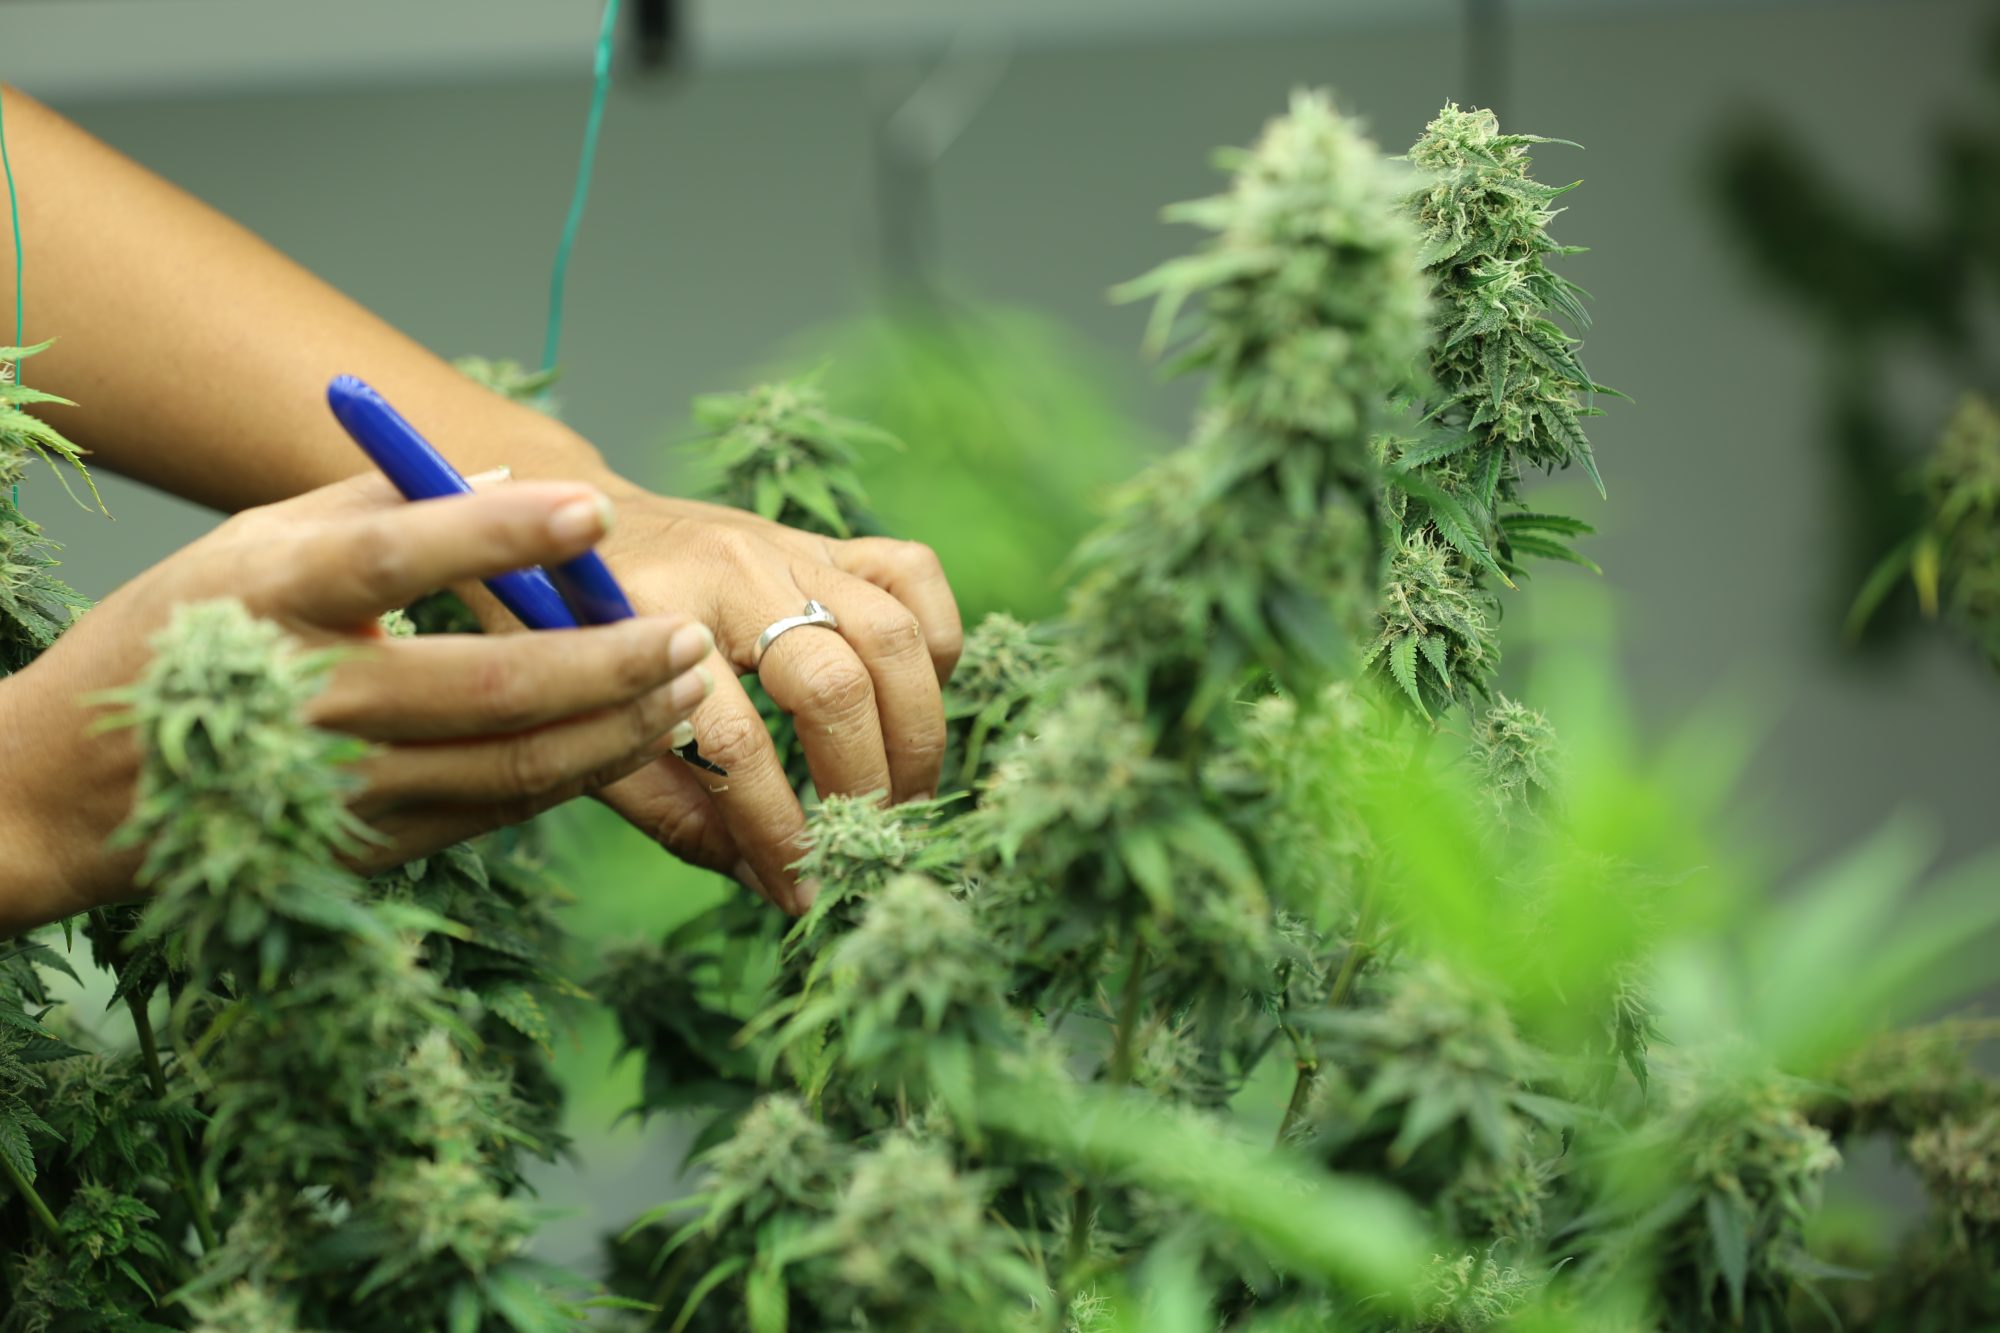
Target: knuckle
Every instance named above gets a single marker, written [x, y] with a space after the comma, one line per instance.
[500, 693]
[919, 558]
[684, 829]
[733, 739]
[634, 668]
[948, 647]
[380, 565]
[728, 545]
[837, 687]
[927, 746]
[896, 636]
[531, 766]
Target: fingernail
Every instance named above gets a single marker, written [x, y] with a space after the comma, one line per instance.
[689, 645]
[681, 735]
[584, 519]
[491, 476]
[690, 689]
[803, 895]
[747, 877]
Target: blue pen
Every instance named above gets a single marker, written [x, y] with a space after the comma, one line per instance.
[577, 591]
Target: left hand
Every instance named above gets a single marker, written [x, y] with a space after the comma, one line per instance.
[867, 698]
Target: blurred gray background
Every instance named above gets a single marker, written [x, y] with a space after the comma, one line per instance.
[420, 157]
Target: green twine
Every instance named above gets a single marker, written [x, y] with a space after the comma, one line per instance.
[560, 273]
[14, 211]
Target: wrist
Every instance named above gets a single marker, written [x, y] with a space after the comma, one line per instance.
[36, 884]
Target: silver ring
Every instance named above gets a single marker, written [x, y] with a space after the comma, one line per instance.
[814, 614]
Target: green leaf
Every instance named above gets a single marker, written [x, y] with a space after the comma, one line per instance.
[1531, 521]
[14, 1145]
[1443, 444]
[809, 488]
[710, 1280]
[1529, 544]
[465, 1310]
[1145, 858]
[764, 1299]
[768, 496]
[1403, 666]
[1454, 524]
[1732, 1247]
[1561, 421]
[1496, 370]
[518, 1007]
[1208, 842]
[1888, 572]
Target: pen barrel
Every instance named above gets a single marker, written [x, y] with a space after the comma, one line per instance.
[420, 472]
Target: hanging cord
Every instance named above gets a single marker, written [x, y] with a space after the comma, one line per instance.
[558, 276]
[14, 211]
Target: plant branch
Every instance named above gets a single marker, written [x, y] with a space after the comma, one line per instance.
[156, 1074]
[1122, 1054]
[36, 1204]
[1358, 953]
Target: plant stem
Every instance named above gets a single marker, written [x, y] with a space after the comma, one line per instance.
[1118, 1074]
[35, 1203]
[1343, 985]
[1122, 1053]
[156, 1074]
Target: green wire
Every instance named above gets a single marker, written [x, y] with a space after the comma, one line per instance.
[560, 273]
[14, 210]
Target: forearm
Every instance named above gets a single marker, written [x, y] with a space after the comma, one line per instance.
[42, 877]
[201, 355]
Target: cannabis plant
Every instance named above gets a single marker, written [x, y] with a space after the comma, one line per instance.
[1274, 969]
[1263, 965]
[317, 1116]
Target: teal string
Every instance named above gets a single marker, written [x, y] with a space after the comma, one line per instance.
[560, 274]
[14, 210]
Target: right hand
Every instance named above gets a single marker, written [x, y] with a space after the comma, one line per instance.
[471, 732]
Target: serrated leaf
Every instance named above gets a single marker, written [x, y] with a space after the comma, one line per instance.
[518, 1007]
[1454, 524]
[1529, 544]
[1403, 666]
[1732, 1248]
[1441, 445]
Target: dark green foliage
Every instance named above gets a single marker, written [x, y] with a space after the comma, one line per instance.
[777, 452]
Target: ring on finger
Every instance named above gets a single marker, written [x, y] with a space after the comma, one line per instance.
[814, 614]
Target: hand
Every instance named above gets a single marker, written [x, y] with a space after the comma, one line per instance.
[867, 699]
[471, 732]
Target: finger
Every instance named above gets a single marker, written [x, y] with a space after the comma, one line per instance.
[564, 759]
[353, 566]
[371, 490]
[756, 800]
[666, 801]
[910, 572]
[909, 703]
[814, 674]
[450, 686]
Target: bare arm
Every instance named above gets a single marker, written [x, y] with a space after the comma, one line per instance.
[141, 281]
